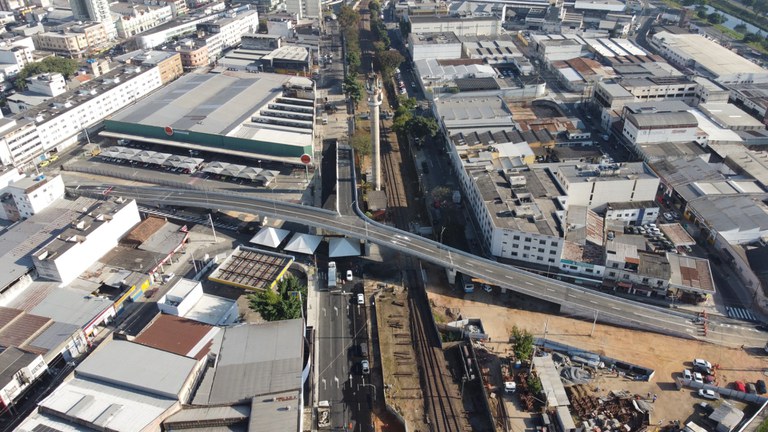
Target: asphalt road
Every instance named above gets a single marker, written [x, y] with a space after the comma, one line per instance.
[610, 308]
[342, 326]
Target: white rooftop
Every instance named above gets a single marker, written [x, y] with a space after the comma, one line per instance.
[182, 287]
[212, 310]
[105, 407]
[714, 132]
[709, 54]
[165, 379]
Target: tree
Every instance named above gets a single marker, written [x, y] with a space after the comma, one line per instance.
[534, 384]
[715, 18]
[352, 88]
[405, 27]
[361, 142]
[421, 127]
[389, 61]
[751, 37]
[740, 28]
[286, 302]
[701, 12]
[66, 67]
[348, 17]
[374, 8]
[353, 60]
[523, 344]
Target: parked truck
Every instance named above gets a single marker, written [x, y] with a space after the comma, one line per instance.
[331, 274]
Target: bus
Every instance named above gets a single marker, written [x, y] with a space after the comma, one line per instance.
[331, 274]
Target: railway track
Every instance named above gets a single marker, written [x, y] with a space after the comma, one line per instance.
[438, 386]
[437, 383]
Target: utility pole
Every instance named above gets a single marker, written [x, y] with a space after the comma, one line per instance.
[594, 323]
[213, 229]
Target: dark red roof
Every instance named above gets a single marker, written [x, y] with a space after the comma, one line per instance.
[177, 335]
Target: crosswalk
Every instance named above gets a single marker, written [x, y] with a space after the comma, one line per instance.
[740, 313]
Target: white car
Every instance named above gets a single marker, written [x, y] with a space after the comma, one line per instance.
[668, 217]
[708, 394]
[698, 378]
[702, 363]
[687, 374]
[360, 299]
[349, 275]
[365, 367]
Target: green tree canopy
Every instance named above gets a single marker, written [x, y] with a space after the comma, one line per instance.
[741, 28]
[361, 142]
[66, 67]
[286, 302]
[534, 384]
[389, 61]
[352, 88]
[715, 18]
[523, 344]
[420, 126]
[348, 17]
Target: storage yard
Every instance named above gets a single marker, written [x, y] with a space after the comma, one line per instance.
[606, 394]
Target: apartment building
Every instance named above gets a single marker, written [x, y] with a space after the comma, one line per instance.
[57, 125]
[28, 196]
[19, 141]
[73, 45]
[138, 18]
[595, 185]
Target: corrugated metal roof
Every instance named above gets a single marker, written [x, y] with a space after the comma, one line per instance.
[178, 335]
[663, 120]
[52, 337]
[278, 413]
[153, 371]
[144, 230]
[86, 401]
[258, 359]
[12, 360]
[71, 306]
[7, 315]
[21, 329]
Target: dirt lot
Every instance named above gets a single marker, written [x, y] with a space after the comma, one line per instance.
[667, 355]
[398, 357]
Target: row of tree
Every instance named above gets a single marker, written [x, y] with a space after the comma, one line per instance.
[756, 16]
[387, 59]
[349, 23]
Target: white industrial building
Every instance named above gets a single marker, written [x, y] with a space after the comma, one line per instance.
[438, 46]
[88, 238]
[706, 56]
[595, 185]
[461, 26]
[29, 195]
[632, 213]
[658, 127]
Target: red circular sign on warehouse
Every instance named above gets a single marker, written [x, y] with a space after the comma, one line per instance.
[168, 130]
[306, 159]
